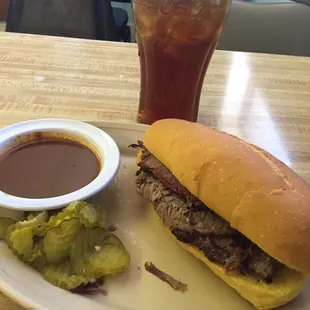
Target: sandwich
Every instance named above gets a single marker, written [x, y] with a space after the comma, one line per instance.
[234, 206]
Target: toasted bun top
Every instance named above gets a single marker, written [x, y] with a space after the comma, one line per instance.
[255, 192]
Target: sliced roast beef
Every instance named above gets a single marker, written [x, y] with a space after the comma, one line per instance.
[192, 222]
[161, 172]
[179, 213]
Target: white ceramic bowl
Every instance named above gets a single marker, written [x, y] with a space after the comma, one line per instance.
[97, 139]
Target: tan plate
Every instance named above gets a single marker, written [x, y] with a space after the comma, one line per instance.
[146, 240]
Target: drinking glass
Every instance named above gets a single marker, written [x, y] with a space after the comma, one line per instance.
[176, 40]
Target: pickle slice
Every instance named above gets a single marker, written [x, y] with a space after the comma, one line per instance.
[5, 223]
[92, 216]
[31, 215]
[63, 276]
[57, 240]
[70, 248]
[55, 220]
[102, 217]
[89, 215]
[96, 253]
[21, 240]
[35, 258]
[20, 236]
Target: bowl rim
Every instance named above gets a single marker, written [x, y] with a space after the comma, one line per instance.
[103, 143]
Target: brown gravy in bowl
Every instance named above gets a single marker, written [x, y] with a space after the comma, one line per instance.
[47, 168]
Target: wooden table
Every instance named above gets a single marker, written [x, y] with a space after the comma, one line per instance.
[264, 99]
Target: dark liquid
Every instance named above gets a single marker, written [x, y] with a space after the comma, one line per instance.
[169, 82]
[174, 59]
[47, 168]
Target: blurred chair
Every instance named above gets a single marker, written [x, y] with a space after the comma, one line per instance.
[275, 28]
[119, 7]
[113, 16]
[88, 19]
[121, 20]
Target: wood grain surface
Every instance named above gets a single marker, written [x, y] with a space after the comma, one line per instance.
[264, 99]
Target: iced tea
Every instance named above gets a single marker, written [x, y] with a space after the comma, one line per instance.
[176, 40]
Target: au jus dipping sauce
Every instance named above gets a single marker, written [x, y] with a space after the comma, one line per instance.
[47, 168]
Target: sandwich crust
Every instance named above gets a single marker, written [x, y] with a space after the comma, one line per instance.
[255, 192]
[286, 285]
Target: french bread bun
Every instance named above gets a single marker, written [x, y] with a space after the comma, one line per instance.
[256, 193]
